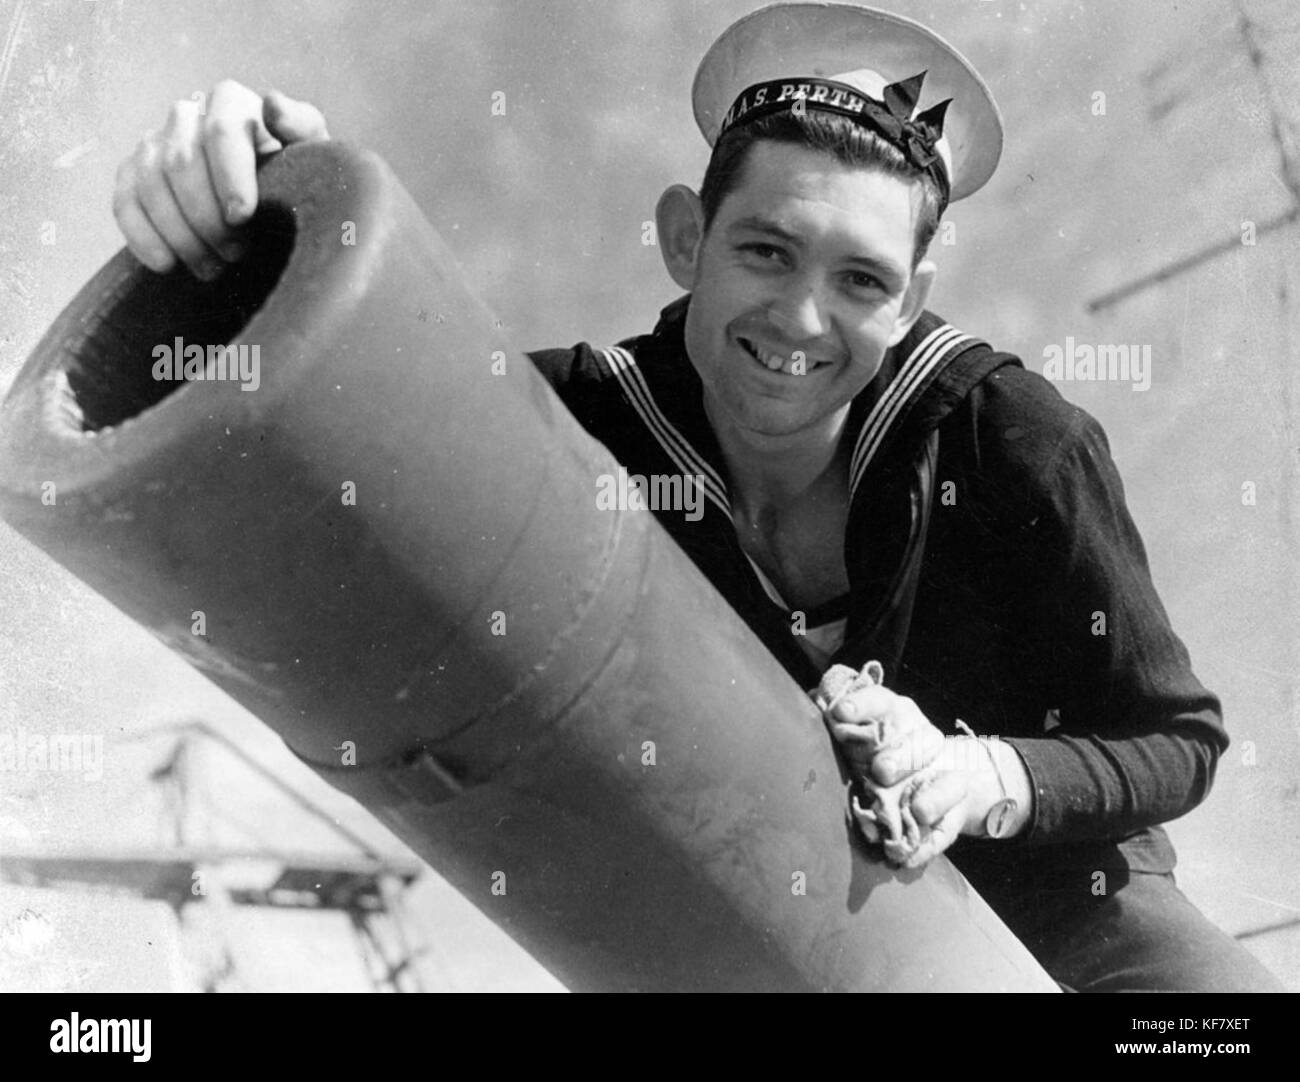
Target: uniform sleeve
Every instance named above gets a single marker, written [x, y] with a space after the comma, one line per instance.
[1139, 736]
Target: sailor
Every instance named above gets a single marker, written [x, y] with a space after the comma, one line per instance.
[880, 486]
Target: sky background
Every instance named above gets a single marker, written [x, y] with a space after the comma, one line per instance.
[545, 207]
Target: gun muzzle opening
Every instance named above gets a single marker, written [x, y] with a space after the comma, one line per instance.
[108, 375]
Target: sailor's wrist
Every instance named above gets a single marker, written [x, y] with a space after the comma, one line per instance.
[999, 794]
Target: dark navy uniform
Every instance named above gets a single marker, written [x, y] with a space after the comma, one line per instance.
[995, 571]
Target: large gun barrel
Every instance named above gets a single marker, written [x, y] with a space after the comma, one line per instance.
[373, 523]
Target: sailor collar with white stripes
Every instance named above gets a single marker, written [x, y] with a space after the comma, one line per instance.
[914, 373]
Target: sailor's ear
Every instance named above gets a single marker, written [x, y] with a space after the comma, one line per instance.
[679, 219]
[918, 292]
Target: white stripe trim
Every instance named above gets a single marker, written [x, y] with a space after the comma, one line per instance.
[923, 361]
[940, 351]
[899, 387]
[670, 438]
[677, 446]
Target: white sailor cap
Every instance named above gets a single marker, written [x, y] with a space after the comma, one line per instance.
[822, 53]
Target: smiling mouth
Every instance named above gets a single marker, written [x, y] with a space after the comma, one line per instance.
[794, 365]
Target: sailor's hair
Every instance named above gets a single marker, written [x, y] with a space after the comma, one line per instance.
[848, 142]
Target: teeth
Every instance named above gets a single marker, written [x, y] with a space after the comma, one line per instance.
[772, 361]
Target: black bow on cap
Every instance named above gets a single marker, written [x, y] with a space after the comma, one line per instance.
[920, 133]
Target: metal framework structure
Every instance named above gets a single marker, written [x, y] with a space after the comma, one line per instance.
[367, 887]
